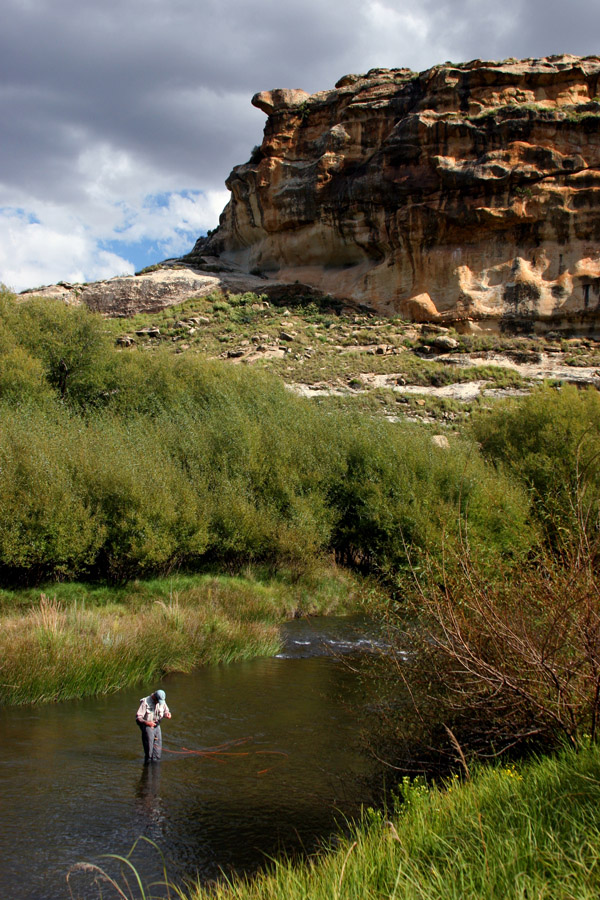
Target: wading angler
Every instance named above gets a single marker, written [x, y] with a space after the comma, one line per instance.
[151, 710]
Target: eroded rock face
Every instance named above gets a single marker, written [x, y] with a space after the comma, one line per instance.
[168, 285]
[467, 194]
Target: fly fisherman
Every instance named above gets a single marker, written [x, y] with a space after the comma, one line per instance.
[152, 710]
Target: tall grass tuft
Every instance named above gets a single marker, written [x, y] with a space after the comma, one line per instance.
[49, 616]
[57, 649]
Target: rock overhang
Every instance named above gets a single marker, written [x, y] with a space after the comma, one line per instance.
[430, 182]
[465, 194]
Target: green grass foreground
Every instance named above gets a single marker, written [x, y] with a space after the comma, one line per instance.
[79, 641]
[525, 833]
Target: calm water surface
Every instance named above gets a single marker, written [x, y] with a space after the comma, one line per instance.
[73, 785]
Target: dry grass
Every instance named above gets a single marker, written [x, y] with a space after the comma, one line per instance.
[61, 649]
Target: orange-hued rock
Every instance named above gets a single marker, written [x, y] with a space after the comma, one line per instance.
[467, 193]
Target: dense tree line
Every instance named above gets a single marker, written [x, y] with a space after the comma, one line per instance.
[120, 463]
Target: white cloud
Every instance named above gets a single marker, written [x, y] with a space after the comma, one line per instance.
[172, 221]
[407, 21]
[123, 138]
[34, 253]
[54, 245]
[42, 242]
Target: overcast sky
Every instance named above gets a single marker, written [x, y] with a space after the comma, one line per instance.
[121, 119]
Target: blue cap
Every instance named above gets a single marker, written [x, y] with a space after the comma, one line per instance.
[160, 696]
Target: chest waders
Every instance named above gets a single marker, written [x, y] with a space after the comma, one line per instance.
[152, 741]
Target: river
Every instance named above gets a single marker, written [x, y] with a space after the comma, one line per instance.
[288, 764]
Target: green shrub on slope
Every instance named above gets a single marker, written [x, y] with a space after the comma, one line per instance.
[551, 442]
[118, 463]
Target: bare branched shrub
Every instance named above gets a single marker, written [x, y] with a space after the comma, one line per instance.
[506, 654]
[497, 663]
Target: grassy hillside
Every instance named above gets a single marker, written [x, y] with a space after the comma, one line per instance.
[116, 464]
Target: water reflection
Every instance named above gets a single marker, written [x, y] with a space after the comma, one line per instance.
[148, 802]
[292, 768]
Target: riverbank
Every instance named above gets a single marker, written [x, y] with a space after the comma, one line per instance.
[76, 640]
[511, 832]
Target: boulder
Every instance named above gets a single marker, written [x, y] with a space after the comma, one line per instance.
[164, 286]
[443, 343]
[125, 340]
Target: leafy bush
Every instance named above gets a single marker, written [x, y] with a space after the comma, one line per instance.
[117, 464]
[46, 525]
[502, 648]
[399, 497]
[70, 344]
[551, 442]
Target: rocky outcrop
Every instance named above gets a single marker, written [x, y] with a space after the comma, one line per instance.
[466, 194]
[166, 284]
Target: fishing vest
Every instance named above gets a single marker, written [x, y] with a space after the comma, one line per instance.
[153, 712]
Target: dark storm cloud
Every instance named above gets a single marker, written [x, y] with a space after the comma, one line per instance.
[556, 27]
[170, 82]
[105, 103]
[519, 28]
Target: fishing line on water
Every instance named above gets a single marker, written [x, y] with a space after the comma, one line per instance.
[222, 753]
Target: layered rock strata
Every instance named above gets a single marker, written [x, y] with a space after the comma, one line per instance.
[465, 194]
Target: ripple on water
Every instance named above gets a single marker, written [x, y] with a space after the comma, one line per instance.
[73, 784]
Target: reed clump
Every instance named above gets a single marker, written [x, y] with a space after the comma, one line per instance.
[58, 649]
[91, 651]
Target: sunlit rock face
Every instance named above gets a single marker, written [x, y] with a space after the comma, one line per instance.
[465, 194]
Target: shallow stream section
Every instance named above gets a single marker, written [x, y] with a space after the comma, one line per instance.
[280, 764]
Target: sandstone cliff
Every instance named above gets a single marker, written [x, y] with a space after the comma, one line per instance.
[466, 194]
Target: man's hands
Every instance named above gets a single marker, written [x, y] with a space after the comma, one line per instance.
[154, 724]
